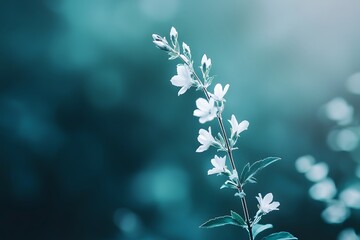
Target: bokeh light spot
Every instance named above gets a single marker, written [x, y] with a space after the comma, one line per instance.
[335, 213]
[351, 196]
[339, 110]
[317, 172]
[323, 190]
[347, 140]
[127, 221]
[304, 163]
[348, 234]
[343, 140]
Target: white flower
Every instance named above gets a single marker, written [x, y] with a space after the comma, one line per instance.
[266, 205]
[205, 63]
[182, 79]
[206, 140]
[219, 92]
[206, 110]
[219, 165]
[237, 128]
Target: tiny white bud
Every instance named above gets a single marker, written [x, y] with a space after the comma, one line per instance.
[186, 50]
[173, 33]
[162, 46]
[205, 63]
[173, 37]
[157, 37]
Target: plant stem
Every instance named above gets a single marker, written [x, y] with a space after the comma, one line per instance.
[239, 187]
[228, 149]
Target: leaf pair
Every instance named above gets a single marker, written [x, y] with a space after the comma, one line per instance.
[237, 220]
[233, 219]
[249, 171]
[258, 228]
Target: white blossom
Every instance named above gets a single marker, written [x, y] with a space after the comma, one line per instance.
[266, 205]
[219, 92]
[206, 139]
[206, 110]
[183, 79]
[219, 164]
[237, 128]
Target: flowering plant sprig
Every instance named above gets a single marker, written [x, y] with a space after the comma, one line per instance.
[209, 108]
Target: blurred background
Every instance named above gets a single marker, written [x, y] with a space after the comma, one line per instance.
[95, 143]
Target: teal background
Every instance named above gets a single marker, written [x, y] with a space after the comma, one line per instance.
[95, 143]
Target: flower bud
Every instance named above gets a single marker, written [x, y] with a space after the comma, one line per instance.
[205, 64]
[163, 46]
[157, 37]
[173, 36]
[186, 50]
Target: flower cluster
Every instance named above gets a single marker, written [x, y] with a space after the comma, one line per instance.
[207, 109]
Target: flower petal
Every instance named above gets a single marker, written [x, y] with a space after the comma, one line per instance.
[183, 90]
[198, 113]
[202, 104]
[202, 139]
[242, 126]
[226, 88]
[220, 161]
[214, 171]
[274, 205]
[268, 198]
[177, 81]
[182, 70]
[218, 90]
[259, 198]
[202, 148]
[203, 120]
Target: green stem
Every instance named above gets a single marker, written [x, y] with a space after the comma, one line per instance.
[228, 149]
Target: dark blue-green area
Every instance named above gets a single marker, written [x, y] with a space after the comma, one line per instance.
[95, 144]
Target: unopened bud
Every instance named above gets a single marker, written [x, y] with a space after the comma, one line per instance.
[157, 37]
[162, 46]
[173, 36]
[186, 50]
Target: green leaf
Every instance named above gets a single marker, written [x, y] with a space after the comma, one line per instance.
[258, 228]
[244, 171]
[280, 236]
[249, 172]
[220, 221]
[238, 218]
